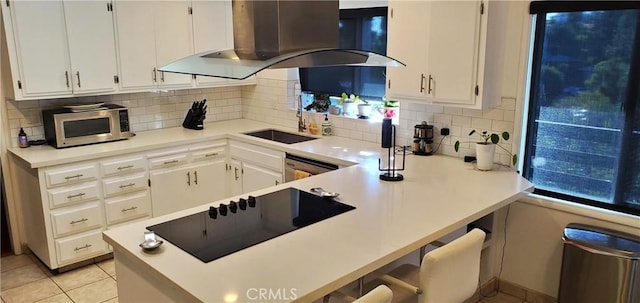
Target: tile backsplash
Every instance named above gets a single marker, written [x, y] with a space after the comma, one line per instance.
[272, 101]
[147, 111]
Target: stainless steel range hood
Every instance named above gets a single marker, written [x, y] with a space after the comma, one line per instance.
[279, 34]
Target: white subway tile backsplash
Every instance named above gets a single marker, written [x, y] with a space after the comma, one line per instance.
[481, 124]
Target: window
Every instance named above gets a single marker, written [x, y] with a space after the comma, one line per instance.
[583, 129]
[364, 29]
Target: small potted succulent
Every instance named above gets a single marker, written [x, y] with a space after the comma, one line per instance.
[389, 110]
[485, 149]
[349, 104]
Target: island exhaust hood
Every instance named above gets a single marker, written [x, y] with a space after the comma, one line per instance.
[279, 34]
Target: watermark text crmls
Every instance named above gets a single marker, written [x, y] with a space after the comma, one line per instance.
[272, 294]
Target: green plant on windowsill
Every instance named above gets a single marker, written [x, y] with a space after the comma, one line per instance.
[488, 142]
[320, 103]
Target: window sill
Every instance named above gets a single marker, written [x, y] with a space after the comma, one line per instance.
[583, 210]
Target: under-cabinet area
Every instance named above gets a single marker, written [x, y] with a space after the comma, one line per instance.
[76, 201]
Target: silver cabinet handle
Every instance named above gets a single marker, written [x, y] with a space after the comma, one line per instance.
[124, 210]
[66, 76]
[75, 196]
[235, 172]
[153, 75]
[211, 155]
[277, 182]
[79, 221]
[125, 167]
[127, 185]
[78, 75]
[162, 76]
[189, 178]
[82, 247]
[72, 177]
[170, 162]
[195, 174]
[429, 90]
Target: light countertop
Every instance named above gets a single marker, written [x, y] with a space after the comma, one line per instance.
[338, 150]
[439, 195]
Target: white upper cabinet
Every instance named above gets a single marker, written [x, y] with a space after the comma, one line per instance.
[91, 45]
[450, 48]
[213, 30]
[406, 42]
[151, 34]
[72, 56]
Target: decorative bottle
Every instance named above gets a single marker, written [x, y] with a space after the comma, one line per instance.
[326, 126]
[22, 139]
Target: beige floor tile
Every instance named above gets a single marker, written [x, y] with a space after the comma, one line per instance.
[109, 266]
[79, 277]
[42, 266]
[14, 261]
[501, 298]
[95, 292]
[21, 276]
[61, 298]
[114, 300]
[31, 292]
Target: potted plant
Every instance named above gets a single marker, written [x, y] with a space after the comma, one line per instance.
[349, 104]
[485, 149]
[364, 108]
[389, 108]
[320, 103]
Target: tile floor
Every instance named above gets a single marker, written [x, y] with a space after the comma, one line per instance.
[25, 279]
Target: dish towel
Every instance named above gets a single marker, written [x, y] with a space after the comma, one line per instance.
[300, 174]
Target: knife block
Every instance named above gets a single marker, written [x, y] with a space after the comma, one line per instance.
[196, 115]
[191, 121]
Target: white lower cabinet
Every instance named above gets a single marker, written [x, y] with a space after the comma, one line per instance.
[254, 167]
[187, 179]
[127, 207]
[80, 247]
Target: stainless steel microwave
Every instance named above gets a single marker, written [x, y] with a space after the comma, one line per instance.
[85, 124]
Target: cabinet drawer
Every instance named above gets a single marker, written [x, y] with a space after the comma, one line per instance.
[73, 174]
[77, 219]
[211, 153]
[167, 161]
[264, 157]
[128, 207]
[123, 165]
[123, 184]
[73, 194]
[79, 247]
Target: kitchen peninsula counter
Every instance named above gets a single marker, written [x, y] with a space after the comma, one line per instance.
[439, 195]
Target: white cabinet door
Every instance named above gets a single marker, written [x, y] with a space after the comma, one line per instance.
[407, 42]
[170, 190]
[135, 38]
[209, 183]
[235, 177]
[91, 46]
[211, 31]
[174, 40]
[41, 62]
[255, 177]
[454, 37]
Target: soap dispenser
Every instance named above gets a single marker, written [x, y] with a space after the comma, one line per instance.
[326, 126]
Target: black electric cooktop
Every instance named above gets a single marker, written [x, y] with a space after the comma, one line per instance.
[234, 226]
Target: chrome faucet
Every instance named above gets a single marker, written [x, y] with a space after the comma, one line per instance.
[301, 123]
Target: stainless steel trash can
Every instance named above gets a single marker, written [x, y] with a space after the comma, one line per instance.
[599, 265]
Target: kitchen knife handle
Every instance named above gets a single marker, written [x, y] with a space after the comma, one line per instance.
[78, 75]
[189, 178]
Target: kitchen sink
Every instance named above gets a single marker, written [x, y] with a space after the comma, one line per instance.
[279, 136]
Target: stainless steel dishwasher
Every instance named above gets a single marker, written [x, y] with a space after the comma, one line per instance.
[314, 167]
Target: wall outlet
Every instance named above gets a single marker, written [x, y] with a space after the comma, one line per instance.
[444, 131]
